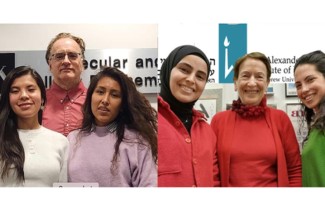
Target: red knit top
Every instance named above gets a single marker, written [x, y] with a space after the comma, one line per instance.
[253, 154]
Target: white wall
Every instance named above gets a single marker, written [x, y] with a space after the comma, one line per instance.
[18, 37]
[31, 37]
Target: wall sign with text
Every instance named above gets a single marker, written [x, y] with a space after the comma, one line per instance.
[140, 64]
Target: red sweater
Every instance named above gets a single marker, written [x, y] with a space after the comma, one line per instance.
[184, 160]
[288, 161]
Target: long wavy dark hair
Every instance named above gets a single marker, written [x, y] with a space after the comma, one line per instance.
[316, 58]
[136, 112]
[12, 153]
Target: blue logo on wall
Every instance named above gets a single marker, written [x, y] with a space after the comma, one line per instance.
[232, 45]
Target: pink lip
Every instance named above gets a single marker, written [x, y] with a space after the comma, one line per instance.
[308, 98]
[103, 109]
[25, 106]
[187, 88]
[66, 70]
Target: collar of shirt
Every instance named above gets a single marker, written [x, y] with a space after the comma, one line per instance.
[112, 127]
[70, 95]
[103, 130]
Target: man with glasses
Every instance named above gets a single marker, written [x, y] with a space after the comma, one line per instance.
[67, 94]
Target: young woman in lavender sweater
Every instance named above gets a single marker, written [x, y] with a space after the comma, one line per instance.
[117, 143]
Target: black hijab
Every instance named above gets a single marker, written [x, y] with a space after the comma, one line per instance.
[182, 110]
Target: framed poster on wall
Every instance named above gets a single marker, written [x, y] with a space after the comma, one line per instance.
[290, 89]
[209, 103]
[207, 106]
[296, 115]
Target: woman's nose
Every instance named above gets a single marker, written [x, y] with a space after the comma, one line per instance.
[191, 78]
[252, 81]
[24, 94]
[105, 99]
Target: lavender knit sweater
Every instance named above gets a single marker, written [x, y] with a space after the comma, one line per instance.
[90, 160]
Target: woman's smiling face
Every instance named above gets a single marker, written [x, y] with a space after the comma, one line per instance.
[188, 78]
[310, 85]
[252, 81]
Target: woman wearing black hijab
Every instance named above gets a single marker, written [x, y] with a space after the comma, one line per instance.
[186, 142]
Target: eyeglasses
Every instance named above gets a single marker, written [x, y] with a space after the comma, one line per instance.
[61, 55]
